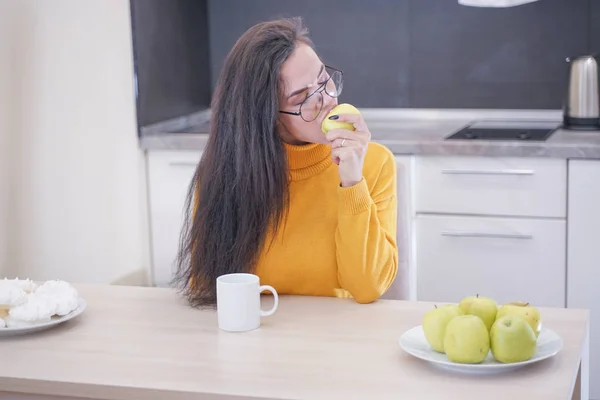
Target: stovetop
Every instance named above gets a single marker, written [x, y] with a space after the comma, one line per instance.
[506, 130]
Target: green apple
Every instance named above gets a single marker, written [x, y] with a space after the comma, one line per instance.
[482, 307]
[530, 313]
[329, 124]
[512, 339]
[434, 324]
[467, 340]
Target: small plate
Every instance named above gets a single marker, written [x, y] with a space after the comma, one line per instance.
[25, 330]
[413, 341]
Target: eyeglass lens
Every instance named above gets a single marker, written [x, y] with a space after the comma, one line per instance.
[312, 107]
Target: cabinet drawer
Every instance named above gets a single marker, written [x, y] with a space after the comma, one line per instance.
[491, 186]
[507, 259]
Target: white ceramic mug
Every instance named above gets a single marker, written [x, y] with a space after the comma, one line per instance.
[238, 302]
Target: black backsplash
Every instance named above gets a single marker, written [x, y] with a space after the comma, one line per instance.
[368, 40]
[466, 57]
[171, 57]
[394, 53]
[594, 24]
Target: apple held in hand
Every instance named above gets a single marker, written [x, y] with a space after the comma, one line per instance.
[482, 307]
[435, 322]
[530, 313]
[467, 340]
[512, 339]
[329, 124]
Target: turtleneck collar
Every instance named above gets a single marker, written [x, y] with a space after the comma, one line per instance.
[307, 160]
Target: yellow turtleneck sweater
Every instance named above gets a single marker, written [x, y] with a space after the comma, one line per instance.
[337, 241]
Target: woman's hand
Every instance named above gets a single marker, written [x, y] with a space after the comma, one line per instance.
[349, 148]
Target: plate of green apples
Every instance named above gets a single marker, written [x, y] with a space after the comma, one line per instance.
[478, 336]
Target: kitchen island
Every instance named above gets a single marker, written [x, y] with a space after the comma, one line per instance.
[146, 343]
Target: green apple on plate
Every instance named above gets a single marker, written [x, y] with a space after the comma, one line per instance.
[435, 322]
[467, 340]
[512, 339]
[530, 313]
[482, 307]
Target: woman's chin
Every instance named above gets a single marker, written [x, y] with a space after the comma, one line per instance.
[306, 138]
[318, 137]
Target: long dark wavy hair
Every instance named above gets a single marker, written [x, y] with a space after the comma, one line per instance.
[240, 188]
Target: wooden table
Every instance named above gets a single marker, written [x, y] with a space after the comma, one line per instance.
[145, 343]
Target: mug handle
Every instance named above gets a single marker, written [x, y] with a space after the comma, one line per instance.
[264, 313]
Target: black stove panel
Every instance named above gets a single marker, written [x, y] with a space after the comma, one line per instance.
[509, 131]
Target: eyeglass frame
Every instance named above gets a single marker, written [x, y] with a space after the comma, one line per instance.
[320, 89]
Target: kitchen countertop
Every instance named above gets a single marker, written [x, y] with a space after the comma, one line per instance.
[422, 132]
[145, 343]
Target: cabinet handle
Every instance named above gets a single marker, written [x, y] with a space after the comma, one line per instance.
[488, 172]
[182, 164]
[487, 235]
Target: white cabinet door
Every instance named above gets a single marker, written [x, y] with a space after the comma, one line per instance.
[583, 262]
[169, 176]
[507, 259]
[503, 186]
[404, 287]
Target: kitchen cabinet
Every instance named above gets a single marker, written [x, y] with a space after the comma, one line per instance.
[491, 225]
[519, 186]
[583, 278]
[404, 286]
[169, 176]
[508, 259]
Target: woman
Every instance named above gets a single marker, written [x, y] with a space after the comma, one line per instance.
[309, 213]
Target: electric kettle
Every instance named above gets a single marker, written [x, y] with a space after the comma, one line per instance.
[581, 109]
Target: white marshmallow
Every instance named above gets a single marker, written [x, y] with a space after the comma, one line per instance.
[62, 293]
[39, 307]
[11, 294]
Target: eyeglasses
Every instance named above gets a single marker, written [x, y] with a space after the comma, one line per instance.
[312, 106]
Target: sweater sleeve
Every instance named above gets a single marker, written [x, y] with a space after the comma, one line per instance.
[366, 248]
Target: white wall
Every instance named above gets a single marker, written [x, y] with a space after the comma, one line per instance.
[6, 8]
[77, 203]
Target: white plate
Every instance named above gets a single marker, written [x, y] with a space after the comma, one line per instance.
[4, 332]
[413, 342]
